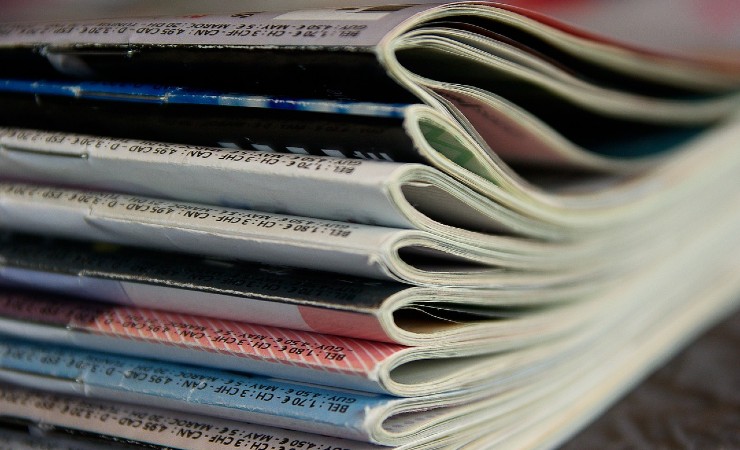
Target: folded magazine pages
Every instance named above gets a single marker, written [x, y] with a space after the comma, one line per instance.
[282, 297]
[469, 225]
[532, 74]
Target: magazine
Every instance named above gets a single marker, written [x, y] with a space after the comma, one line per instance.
[38, 438]
[65, 416]
[248, 398]
[480, 194]
[510, 84]
[532, 413]
[549, 211]
[669, 270]
[279, 352]
[373, 251]
[238, 234]
[282, 297]
[398, 195]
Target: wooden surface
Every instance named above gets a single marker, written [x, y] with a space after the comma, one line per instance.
[693, 402]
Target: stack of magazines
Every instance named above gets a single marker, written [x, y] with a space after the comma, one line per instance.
[468, 225]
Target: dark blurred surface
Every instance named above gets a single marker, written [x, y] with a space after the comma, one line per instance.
[693, 402]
